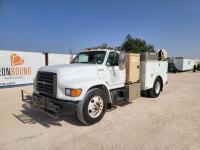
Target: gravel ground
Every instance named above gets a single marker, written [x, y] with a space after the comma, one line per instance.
[171, 121]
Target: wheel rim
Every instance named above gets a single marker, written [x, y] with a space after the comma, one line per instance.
[95, 106]
[157, 87]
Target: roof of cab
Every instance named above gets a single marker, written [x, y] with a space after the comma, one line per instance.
[98, 49]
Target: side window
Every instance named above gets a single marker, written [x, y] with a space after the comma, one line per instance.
[112, 59]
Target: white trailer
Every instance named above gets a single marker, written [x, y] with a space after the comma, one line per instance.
[183, 64]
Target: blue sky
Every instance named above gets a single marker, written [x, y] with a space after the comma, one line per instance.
[60, 25]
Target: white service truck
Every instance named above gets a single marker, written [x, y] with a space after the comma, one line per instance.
[92, 83]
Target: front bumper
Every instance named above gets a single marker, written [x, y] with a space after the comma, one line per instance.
[52, 106]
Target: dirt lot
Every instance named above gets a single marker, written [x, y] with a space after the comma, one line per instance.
[171, 121]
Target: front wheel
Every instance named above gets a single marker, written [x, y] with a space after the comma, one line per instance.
[155, 91]
[93, 107]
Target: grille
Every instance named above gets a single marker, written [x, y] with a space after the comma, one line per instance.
[46, 83]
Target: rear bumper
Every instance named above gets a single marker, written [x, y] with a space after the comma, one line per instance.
[53, 107]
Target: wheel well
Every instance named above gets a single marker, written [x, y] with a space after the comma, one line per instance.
[104, 88]
[160, 78]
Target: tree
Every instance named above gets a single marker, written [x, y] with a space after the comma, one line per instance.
[136, 45]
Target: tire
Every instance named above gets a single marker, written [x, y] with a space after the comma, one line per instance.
[93, 107]
[155, 91]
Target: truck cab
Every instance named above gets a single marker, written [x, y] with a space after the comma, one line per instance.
[92, 83]
[108, 72]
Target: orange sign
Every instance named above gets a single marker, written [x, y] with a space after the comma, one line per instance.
[16, 60]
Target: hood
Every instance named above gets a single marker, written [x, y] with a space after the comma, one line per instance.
[72, 70]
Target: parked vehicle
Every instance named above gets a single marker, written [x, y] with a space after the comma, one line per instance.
[94, 82]
[172, 67]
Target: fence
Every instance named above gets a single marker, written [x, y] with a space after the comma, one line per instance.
[17, 67]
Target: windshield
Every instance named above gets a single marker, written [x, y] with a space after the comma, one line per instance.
[90, 57]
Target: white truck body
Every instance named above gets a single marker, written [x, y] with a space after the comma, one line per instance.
[149, 70]
[85, 76]
[94, 81]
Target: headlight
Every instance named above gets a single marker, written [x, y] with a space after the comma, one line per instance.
[68, 92]
[73, 92]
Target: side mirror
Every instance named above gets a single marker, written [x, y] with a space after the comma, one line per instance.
[121, 61]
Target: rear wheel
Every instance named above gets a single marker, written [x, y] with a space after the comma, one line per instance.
[93, 107]
[155, 91]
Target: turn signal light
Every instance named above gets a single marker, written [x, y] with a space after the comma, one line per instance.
[73, 92]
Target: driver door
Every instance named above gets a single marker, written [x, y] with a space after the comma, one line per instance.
[115, 76]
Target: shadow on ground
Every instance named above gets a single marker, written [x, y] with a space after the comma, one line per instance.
[34, 115]
[31, 115]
